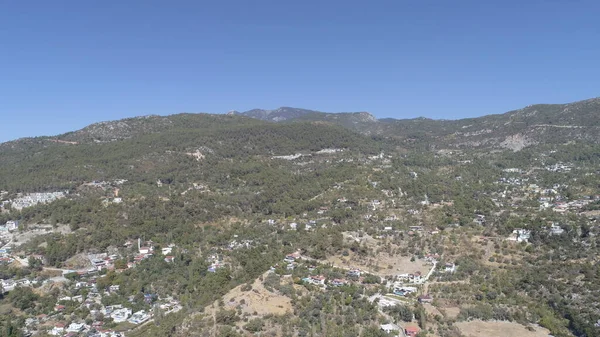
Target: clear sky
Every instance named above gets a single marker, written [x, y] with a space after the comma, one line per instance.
[66, 64]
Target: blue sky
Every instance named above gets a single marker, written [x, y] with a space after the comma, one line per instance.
[66, 64]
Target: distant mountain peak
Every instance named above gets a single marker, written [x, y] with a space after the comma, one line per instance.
[286, 113]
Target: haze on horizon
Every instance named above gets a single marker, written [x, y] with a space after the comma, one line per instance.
[65, 67]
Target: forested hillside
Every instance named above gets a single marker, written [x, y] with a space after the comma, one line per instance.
[145, 154]
[293, 222]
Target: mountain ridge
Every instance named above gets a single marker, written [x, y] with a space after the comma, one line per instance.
[488, 129]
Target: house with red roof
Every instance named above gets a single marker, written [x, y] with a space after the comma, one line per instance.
[411, 331]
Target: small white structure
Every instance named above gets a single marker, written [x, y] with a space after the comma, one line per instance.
[58, 330]
[450, 268]
[388, 328]
[555, 229]
[75, 327]
[520, 235]
[11, 225]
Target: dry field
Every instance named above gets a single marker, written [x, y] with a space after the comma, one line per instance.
[381, 264]
[451, 312]
[432, 310]
[258, 300]
[498, 329]
[24, 237]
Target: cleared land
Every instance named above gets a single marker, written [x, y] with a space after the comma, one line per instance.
[499, 329]
[382, 265]
[24, 237]
[432, 310]
[451, 312]
[258, 300]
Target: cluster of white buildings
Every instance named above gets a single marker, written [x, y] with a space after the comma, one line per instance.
[33, 199]
[415, 277]
[240, 244]
[10, 284]
[559, 167]
[102, 261]
[73, 328]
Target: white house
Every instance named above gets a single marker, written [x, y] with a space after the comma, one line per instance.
[12, 225]
[520, 235]
[555, 229]
[75, 327]
[318, 279]
[450, 268]
[121, 315]
[139, 317]
[58, 330]
[389, 328]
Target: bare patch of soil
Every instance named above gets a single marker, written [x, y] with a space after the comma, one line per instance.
[499, 329]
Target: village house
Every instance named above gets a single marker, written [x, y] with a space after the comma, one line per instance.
[139, 317]
[555, 229]
[338, 282]
[121, 315]
[520, 235]
[449, 267]
[354, 273]
[57, 330]
[11, 225]
[404, 291]
[411, 331]
[416, 277]
[76, 327]
[145, 250]
[425, 298]
[389, 328]
[291, 257]
[6, 260]
[317, 279]
[392, 217]
[432, 258]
